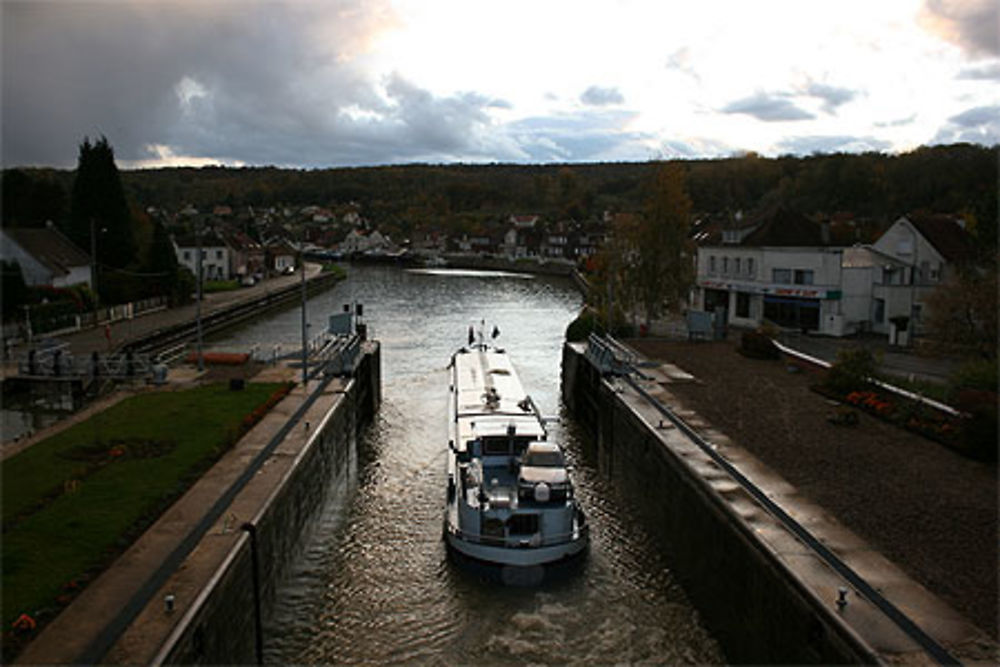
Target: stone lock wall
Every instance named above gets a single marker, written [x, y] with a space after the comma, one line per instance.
[758, 613]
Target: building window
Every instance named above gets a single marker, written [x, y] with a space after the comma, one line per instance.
[711, 264]
[781, 276]
[879, 316]
[218, 254]
[187, 255]
[725, 266]
[803, 277]
[750, 267]
[736, 266]
[742, 304]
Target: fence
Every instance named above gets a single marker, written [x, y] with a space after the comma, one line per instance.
[59, 318]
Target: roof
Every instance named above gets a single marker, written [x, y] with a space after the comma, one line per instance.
[945, 234]
[784, 228]
[49, 247]
[207, 240]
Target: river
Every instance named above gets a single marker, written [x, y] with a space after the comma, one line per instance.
[372, 583]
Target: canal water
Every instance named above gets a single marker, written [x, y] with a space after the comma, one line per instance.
[372, 583]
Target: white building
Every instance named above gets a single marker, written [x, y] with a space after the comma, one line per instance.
[45, 256]
[358, 240]
[783, 269]
[215, 256]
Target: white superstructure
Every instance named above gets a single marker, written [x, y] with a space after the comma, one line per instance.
[510, 498]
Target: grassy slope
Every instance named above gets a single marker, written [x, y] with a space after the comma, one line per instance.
[55, 533]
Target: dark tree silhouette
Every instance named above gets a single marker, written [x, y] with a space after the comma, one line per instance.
[98, 199]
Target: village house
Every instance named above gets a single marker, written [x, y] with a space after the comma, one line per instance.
[216, 255]
[359, 241]
[45, 256]
[280, 256]
[783, 268]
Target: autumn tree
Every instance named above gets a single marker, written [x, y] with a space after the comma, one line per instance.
[963, 311]
[662, 269]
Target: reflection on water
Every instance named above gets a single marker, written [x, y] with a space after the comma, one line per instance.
[372, 583]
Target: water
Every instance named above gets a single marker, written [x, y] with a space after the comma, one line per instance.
[372, 583]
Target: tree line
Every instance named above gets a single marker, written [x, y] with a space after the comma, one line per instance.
[958, 178]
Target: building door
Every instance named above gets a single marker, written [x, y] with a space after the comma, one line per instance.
[792, 313]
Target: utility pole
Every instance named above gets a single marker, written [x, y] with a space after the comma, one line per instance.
[197, 236]
[93, 255]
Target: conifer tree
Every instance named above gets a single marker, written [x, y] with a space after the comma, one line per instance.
[98, 198]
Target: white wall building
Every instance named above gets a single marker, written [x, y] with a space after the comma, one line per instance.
[772, 272]
[215, 256]
[46, 257]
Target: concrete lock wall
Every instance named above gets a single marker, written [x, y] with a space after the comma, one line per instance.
[224, 630]
[754, 607]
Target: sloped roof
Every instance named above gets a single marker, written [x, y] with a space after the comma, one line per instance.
[945, 234]
[49, 247]
[784, 228]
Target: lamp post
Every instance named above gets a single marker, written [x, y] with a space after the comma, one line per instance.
[305, 348]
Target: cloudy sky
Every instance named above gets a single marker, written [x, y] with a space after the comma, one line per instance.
[363, 82]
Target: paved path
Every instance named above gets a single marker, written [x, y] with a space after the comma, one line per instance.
[84, 342]
[901, 362]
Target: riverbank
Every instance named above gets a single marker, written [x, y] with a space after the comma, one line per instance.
[929, 510]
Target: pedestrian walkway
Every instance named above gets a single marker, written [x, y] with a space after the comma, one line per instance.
[907, 363]
[117, 334]
[900, 362]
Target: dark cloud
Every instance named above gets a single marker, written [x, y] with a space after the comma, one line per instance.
[831, 144]
[599, 97]
[281, 84]
[899, 122]
[969, 24]
[768, 107]
[977, 125]
[832, 96]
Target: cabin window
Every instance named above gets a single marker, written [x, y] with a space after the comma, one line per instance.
[496, 447]
[523, 524]
[551, 459]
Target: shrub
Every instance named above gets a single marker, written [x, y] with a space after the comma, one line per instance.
[580, 328]
[979, 430]
[980, 374]
[851, 370]
[757, 346]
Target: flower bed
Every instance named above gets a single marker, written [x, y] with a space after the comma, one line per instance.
[914, 416]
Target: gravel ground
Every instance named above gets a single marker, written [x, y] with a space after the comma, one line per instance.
[929, 510]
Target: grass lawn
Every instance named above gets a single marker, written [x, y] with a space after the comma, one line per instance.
[74, 501]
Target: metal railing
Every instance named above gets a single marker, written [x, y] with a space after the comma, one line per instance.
[861, 585]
